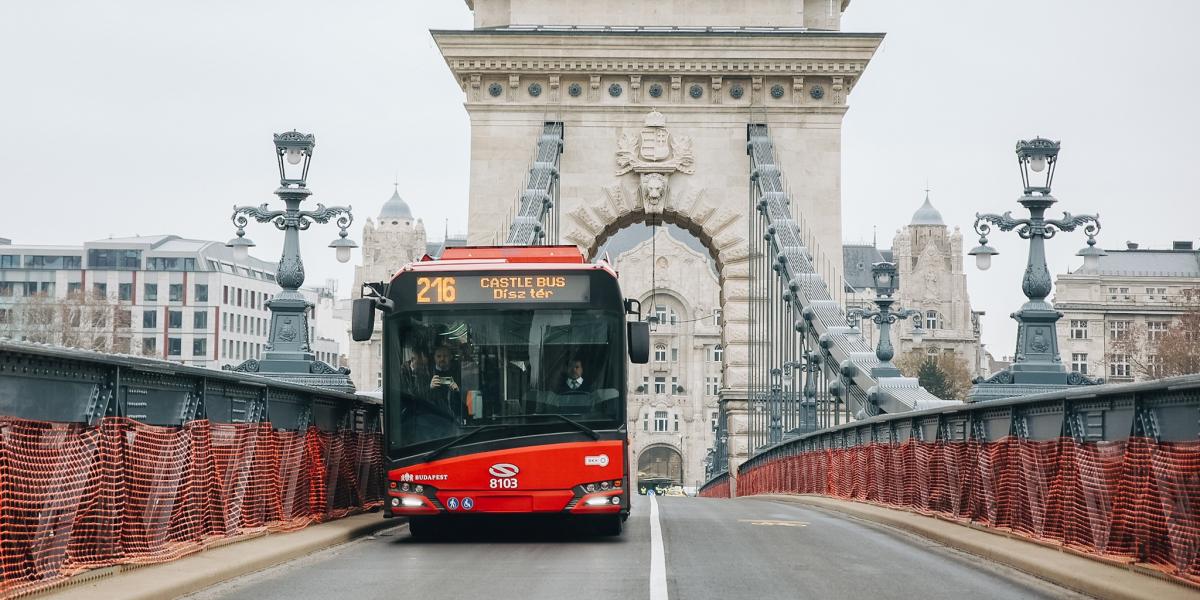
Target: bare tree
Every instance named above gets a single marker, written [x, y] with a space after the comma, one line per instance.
[81, 320]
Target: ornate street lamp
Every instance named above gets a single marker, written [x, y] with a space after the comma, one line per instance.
[1037, 365]
[289, 355]
[885, 277]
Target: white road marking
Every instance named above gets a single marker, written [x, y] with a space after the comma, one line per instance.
[769, 522]
[658, 557]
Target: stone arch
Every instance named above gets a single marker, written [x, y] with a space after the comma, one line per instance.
[661, 460]
[722, 228]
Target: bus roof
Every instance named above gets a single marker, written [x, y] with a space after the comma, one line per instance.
[514, 254]
[507, 258]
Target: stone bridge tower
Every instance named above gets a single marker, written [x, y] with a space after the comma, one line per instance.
[655, 97]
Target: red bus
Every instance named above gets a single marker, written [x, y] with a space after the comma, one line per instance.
[504, 384]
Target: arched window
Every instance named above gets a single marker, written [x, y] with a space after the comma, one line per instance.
[933, 320]
[717, 353]
[660, 353]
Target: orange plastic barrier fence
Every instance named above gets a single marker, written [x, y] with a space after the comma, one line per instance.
[1134, 500]
[718, 489]
[76, 497]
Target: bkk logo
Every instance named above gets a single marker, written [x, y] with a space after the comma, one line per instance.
[504, 470]
[596, 461]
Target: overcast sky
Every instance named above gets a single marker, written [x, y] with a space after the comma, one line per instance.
[146, 117]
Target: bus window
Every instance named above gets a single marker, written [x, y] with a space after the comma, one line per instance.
[453, 371]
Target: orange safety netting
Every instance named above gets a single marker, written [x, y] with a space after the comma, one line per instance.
[1133, 500]
[716, 489]
[75, 497]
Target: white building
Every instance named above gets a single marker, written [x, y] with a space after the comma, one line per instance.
[1129, 290]
[179, 299]
[673, 399]
[929, 261]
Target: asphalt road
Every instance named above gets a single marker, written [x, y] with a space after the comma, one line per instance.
[705, 549]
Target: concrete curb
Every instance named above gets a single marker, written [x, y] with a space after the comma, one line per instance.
[213, 565]
[1092, 576]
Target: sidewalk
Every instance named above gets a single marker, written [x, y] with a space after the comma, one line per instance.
[195, 572]
[1094, 577]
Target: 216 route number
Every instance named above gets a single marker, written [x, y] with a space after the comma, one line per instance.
[442, 288]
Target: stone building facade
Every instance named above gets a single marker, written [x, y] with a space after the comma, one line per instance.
[390, 241]
[673, 400]
[1127, 290]
[929, 259]
[604, 69]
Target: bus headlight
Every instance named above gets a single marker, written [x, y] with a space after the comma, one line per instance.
[601, 501]
[411, 502]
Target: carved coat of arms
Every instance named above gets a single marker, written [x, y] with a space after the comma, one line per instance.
[654, 154]
[287, 333]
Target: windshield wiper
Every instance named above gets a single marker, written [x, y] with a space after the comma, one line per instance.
[436, 452]
[576, 424]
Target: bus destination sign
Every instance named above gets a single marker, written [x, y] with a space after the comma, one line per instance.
[481, 289]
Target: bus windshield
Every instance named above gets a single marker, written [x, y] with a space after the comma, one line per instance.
[506, 373]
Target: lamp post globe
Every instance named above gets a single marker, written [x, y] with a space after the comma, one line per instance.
[918, 334]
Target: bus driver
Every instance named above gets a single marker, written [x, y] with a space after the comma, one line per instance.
[574, 381]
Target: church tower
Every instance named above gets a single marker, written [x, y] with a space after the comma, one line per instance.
[390, 241]
[929, 259]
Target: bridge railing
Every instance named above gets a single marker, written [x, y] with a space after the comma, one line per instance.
[1110, 470]
[108, 460]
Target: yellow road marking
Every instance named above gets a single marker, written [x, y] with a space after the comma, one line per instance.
[772, 523]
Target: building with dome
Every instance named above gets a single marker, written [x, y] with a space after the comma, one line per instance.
[390, 241]
[929, 259]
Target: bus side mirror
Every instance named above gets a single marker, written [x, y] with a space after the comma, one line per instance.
[362, 319]
[639, 342]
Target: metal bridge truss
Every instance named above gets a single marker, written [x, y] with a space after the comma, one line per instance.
[536, 221]
[810, 369]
